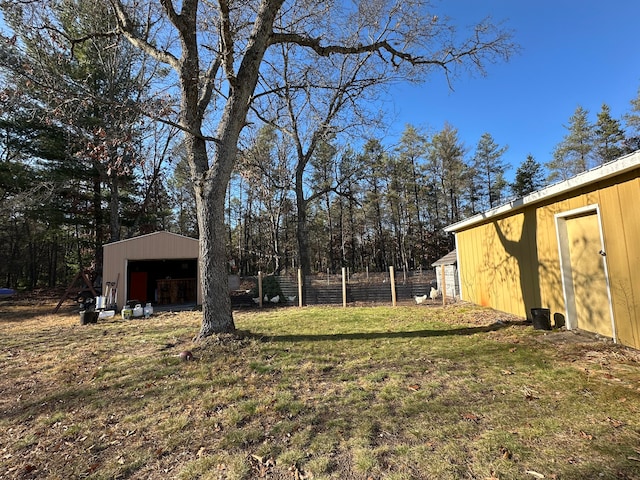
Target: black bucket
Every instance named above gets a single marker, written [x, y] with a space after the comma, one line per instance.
[88, 316]
[541, 318]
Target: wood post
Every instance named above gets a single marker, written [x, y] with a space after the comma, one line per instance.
[300, 287]
[392, 278]
[260, 288]
[344, 287]
[444, 287]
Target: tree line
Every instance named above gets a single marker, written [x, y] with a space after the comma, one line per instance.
[371, 207]
[380, 205]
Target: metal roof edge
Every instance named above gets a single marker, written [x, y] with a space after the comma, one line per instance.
[449, 259]
[621, 165]
[159, 232]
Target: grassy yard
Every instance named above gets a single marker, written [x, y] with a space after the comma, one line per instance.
[411, 392]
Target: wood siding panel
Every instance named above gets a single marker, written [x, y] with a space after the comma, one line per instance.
[551, 293]
[551, 283]
[468, 251]
[531, 261]
[548, 260]
[508, 252]
[492, 256]
[621, 229]
[629, 298]
[450, 279]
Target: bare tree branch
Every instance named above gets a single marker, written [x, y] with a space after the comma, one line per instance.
[127, 28]
[226, 40]
[381, 46]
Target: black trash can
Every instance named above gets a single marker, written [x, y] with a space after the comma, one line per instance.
[541, 318]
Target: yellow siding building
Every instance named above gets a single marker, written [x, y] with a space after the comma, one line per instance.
[573, 247]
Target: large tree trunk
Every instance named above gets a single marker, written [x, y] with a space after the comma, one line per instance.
[216, 301]
[217, 316]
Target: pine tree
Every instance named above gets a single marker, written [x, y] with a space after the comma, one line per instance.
[410, 156]
[490, 169]
[528, 178]
[449, 171]
[632, 120]
[375, 160]
[609, 136]
[574, 153]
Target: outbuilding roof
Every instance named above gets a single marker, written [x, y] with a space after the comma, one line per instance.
[149, 236]
[449, 259]
[616, 167]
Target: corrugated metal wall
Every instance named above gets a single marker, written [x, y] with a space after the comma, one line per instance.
[512, 263]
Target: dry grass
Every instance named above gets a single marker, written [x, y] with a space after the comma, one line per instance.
[324, 393]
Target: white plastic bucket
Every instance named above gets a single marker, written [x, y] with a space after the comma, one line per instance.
[100, 302]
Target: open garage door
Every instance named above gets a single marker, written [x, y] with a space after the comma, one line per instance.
[163, 282]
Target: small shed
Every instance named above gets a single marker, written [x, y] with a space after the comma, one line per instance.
[573, 248]
[161, 268]
[447, 275]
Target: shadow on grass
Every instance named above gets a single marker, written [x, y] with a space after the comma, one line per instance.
[386, 335]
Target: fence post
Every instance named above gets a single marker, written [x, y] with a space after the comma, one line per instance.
[299, 287]
[444, 287]
[260, 288]
[392, 278]
[344, 287]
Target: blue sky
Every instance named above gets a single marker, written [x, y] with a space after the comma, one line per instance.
[572, 53]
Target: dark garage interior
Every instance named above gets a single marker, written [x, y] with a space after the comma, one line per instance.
[163, 282]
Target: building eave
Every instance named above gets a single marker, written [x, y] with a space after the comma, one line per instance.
[152, 234]
[603, 172]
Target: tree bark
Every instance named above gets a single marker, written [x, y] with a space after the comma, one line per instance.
[217, 316]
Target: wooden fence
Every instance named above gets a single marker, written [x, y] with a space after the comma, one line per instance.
[356, 289]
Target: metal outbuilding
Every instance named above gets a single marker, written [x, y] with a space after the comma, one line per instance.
[573, 248]
[161, 268]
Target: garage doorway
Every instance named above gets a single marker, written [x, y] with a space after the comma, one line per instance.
[163, 282]
[583, 265]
